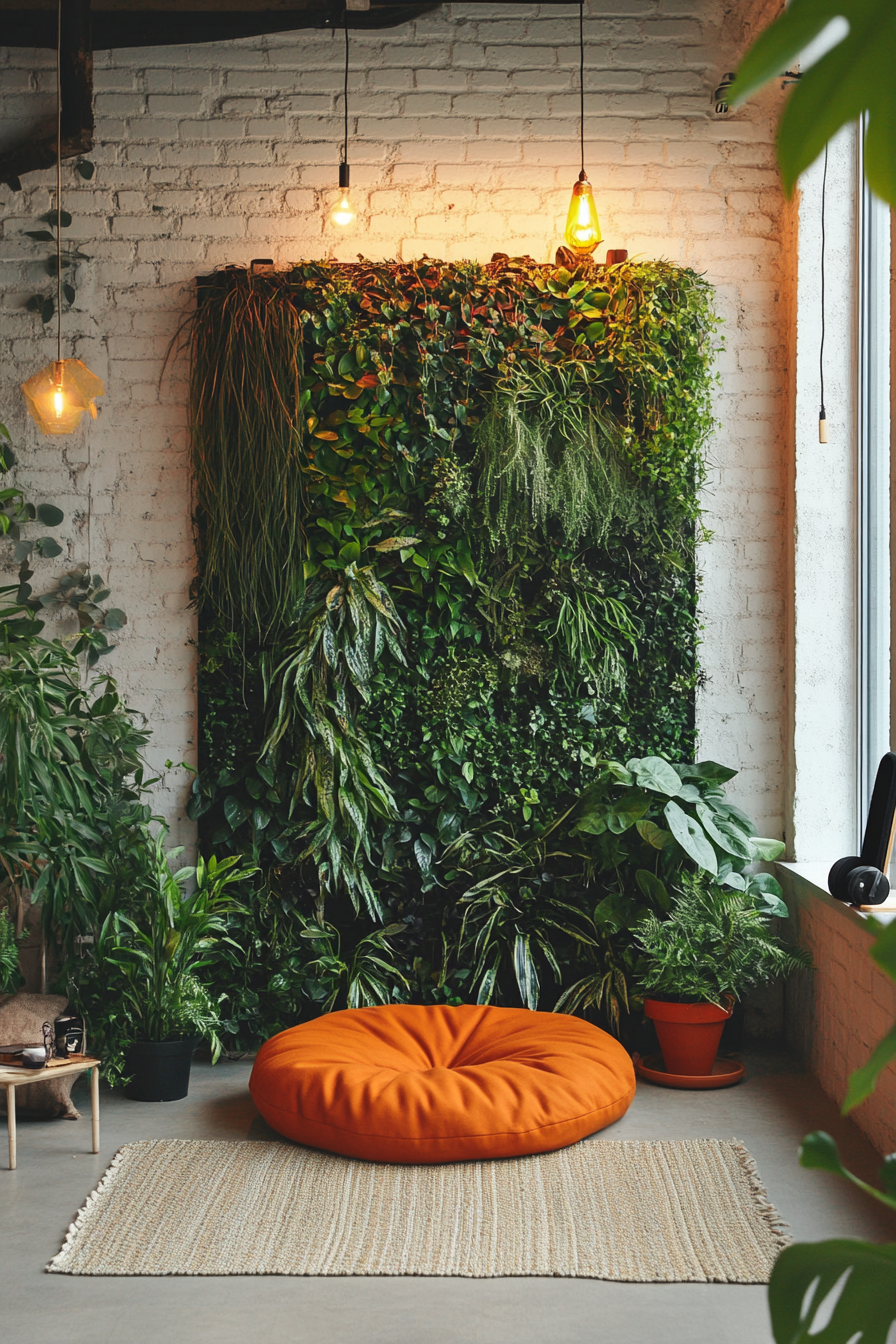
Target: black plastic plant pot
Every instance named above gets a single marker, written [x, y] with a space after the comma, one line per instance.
[160, 1069]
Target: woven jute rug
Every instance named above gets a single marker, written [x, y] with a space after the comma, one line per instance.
[691, 1211]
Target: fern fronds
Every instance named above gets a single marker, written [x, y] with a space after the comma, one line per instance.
[715, 945]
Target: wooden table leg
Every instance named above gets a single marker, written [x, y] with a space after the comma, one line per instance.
[95, 1107]
[11, 1123]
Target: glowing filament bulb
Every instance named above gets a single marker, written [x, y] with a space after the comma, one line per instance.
[343, 214]
[582, 225]
[58, 394]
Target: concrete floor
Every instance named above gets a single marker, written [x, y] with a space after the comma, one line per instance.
[770, 1112]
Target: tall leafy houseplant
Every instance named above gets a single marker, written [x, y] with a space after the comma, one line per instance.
[843, 1291]
[712, 948]
[142, 983]
[71, 768]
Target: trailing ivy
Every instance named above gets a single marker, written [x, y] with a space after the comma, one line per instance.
[447, 524]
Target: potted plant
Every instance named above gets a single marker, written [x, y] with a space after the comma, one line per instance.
[142, 994]
[714, 946]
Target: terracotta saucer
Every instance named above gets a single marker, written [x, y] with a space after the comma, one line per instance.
[725, 1073]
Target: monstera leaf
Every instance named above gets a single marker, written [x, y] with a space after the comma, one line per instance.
[856, 76]
[834, 1292]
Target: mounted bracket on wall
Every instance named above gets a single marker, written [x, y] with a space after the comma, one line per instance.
[76, 73]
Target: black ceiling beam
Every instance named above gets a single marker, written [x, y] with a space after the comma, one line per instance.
[166, 27]
[76, 78]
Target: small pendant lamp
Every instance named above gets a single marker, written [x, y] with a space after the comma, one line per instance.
[343, 214]
[582, 225]
[60, 393]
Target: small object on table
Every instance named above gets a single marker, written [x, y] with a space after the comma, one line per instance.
[69, 1036]
[15, 1076]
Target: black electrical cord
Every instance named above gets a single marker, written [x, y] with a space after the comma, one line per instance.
[582, 82]
[345, 88]
[59, 183]
[822, 418]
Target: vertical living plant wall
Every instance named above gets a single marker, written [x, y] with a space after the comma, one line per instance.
[447, 519]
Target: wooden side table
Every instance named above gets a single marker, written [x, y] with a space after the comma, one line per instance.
[13, 1077]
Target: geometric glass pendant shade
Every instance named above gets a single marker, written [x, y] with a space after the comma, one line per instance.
[59, 394]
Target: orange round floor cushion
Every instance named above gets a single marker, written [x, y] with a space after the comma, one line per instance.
[408, 1084]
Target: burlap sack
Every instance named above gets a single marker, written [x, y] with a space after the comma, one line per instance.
[21, 1019]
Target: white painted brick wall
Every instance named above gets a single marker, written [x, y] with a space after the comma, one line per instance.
[464, 142]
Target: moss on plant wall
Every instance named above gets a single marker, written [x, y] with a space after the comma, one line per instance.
[447, 517]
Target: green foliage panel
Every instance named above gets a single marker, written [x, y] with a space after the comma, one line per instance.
[448, 517]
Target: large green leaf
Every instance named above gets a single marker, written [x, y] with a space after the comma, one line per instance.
[818, 1152]
[653, 888]
[655, 773]
[692, 838]
[856, 76]
[834, 1292]
[864, 1080]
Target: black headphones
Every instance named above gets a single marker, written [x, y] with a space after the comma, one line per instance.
[862, 879]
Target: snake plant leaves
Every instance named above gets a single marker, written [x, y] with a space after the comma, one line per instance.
[834, 1292]
[525, 971]
[692, 837]
[856, 76]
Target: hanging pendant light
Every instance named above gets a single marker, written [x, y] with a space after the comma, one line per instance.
[582, 225]
[343, 214]
[60, 393]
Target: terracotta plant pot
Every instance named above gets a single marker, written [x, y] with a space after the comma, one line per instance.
[688, 1033]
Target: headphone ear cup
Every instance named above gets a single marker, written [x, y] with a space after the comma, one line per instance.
[867, 886]
[838, 875]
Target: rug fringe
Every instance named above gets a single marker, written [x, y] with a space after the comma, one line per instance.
[56, 1265]
[764, 1207]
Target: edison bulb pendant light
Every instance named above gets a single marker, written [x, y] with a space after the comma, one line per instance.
[582, 224]
[58, 395]
[343, 214]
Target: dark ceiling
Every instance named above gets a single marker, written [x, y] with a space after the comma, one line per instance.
[128, 23]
